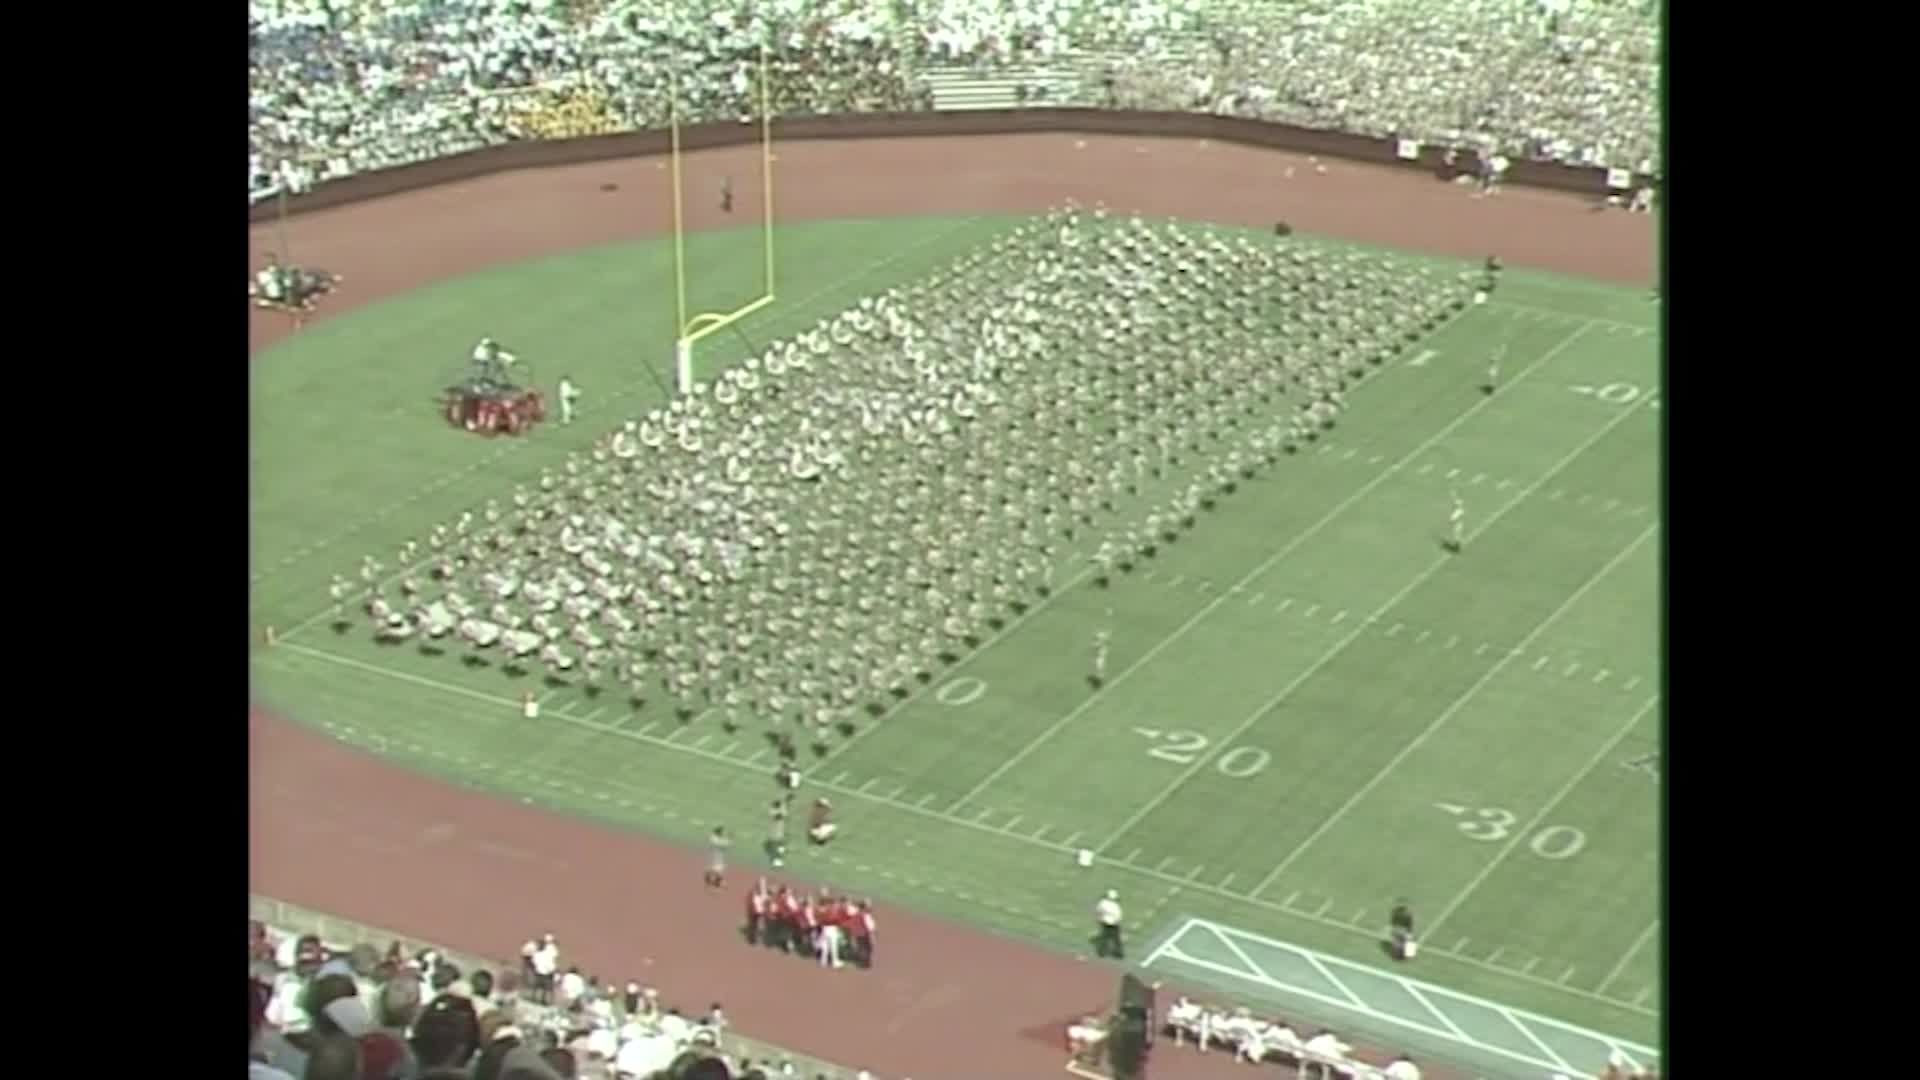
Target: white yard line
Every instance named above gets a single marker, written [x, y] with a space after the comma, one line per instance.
[1519, 836]
[1633, 950]
[1599, 320]
[1460, 702]
[1340, 646]
[1046, 735]
[510, 445]
[509, 706]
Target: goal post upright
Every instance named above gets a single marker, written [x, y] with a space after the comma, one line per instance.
[691, 328]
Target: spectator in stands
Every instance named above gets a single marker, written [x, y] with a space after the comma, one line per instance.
[445, 1038]
[262, 1040]
[384, 1052]
[482, 986]
[572, 987]
[333, 1057]
[1402, 1068]
[543, 964]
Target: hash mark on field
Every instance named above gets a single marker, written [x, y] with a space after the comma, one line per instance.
[1583, 500]
[1503, 485]
[1008, 827]
[868, 784]
[1224, 882]
[1291, 897]
[1460, 946]
[1132, 855]
[1641, 997]
[1531, 964]
[982, 816]
[1195, 873]
[1566, 978]
[1452, 641]
[1601, 676]
[924, 800]
[1424, 469]
[897, 792]
[727, 751]
[702, 740]
[1325, 906]
[1360, 917]
[1539, 663]
[757, 755]
[1394, 630]
[1285, 604]
[1349, 455]
[1570, 672]
[1422, 636]
[1068, 842]
[1174, 582]
[1613, 504]
[1451, 473]
[1480, 649]
[1557, 495]
[1326, 448]
[1039, 835]
[650, 726]
[1162, 868]
[1310, 610]
[1478, 478]
[1631, 683]
[1376, 459]
[1495, 958]
[1257, 598]
[838, 780]
[1339, 615]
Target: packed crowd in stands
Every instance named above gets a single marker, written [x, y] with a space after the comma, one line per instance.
[360, 1013]
[344, 86]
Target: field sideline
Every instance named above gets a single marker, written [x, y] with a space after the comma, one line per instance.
[1311, 708]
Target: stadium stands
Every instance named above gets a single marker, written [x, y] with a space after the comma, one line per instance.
[609, 1032]
[338, 88]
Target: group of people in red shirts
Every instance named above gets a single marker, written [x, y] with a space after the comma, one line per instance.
[835, 930]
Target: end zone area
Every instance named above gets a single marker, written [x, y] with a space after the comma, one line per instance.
[1390, 1005]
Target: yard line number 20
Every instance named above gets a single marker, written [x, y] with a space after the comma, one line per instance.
[1492, 824]
[1187, 747]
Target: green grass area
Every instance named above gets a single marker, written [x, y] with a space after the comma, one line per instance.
[1311, 707]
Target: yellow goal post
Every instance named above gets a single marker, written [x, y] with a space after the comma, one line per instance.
[692, 328]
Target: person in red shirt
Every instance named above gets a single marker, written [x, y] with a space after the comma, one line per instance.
[785, 919]
[860, 931]
[807, 925]
[757, 903]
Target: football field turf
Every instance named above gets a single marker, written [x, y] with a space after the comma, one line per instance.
[1311, 708]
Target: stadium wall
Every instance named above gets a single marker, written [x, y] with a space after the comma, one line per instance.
[1159, 125]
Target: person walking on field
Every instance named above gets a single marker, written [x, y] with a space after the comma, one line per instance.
[1400, 931]
[1107, 914]
[717, 844]
[777, 832]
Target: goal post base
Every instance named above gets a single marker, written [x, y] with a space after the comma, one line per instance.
[683, 366]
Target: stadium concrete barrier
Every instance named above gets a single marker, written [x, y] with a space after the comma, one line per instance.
[1159, 125]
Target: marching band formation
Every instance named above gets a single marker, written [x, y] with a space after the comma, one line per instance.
[832, 520]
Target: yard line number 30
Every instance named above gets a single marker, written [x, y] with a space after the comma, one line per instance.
[1492, 824]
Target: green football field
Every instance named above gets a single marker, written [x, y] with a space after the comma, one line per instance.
[1311, 708]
